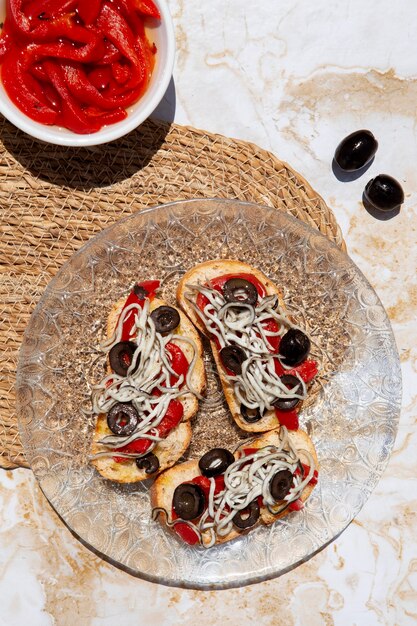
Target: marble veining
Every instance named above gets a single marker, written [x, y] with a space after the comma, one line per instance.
[295, 78]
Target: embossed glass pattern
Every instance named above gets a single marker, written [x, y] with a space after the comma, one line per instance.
[351, 414]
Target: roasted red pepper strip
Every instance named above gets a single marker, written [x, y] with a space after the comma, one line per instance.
[88, 10]
[288, 419]
[178, 361]
[100, 77]
[121, 73]
[171, 419]
[41, 10]
[117, 30]
[146, 7]
[25, 91]
[307, 370]
[297, 505]
[186, 533]
[17, 20]
[149, 287]
[85, 92]
[72, 116]
[107, 117]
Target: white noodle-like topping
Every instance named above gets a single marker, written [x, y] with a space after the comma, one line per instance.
[245, 480]
[150, 369]
[241, 324]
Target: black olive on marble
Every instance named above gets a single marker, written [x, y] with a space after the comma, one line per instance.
[240, 291]
[232, 357]
[250, 415]
[149, 463]
[294, 346]
[280, 484]
[287, 404]
[122, 418]
[247, 517]
[166, 319]
[384, 193]
[121, 356]
[215, 462]
[188, 501]
[356, 150]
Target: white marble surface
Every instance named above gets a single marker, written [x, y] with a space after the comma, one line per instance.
[295, 78]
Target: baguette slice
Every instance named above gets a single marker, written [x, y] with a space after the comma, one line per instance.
[202, 273]
[162, 490]
[176, 443]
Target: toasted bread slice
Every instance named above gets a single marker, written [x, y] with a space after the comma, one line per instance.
[201, 274]
[176, 443]
[162, 490]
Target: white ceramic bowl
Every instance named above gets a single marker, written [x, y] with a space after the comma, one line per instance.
[164, 37]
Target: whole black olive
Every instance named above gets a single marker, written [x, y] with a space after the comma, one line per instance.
[166, 319]
[356, 150]
[215, 462]
[280, 484]
[287, 404]
[149, 463]
[240, 290]
[247, 517]
[294, 346]
[384, 193]
[232, 357]
[250, 415]
[188, 501]
[121, 355]
[122, 418]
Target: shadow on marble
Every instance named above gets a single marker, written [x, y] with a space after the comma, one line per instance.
[382, 216]
[347, 177]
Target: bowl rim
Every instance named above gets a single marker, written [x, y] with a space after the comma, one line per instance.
[48, 134]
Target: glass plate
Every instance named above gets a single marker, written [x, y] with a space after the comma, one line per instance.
[351, 415]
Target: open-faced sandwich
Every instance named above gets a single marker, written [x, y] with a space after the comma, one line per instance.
[223, 495]
[260, 352]
[155, 377]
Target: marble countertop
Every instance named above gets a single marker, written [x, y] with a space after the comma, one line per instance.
[295, 78]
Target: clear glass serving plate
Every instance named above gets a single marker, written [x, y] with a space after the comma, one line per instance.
[351, 414]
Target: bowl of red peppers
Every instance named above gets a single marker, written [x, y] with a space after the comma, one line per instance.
[83, 72]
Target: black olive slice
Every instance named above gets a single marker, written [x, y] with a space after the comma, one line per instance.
[240, 290]
[287, 404]
[356, 150]
[232, 357]
[215, 462]
[121, 355]
[250, 415]
[122, 418]
[280, 484]
[166, 319]
[247, 517]
[384, 193]
[188, 501]
[294, 346]
[149, 463]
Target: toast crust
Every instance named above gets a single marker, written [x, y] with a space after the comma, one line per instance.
[164, 486]
[202, 273]
[178, 440]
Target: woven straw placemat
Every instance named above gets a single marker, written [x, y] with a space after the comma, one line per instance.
[54, 199]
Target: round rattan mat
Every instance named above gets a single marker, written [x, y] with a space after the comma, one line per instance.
[54, 199]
